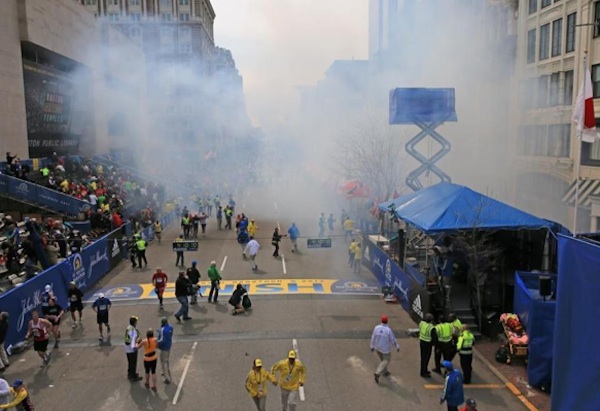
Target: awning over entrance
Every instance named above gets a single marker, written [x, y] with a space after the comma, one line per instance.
[587, 188]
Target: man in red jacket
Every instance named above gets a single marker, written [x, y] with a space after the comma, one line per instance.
[159, 280]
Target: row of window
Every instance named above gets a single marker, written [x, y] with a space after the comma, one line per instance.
[163, 3]
[533, 4]
[166, 17]
[545, 140]
[551, 90]
[552, 48]
[167, 34]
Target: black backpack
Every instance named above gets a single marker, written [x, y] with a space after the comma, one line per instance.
[502, 355]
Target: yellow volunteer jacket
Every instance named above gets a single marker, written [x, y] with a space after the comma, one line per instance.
[289, 378]
[256, 382]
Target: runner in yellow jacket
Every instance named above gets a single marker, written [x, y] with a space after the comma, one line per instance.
[292, 374]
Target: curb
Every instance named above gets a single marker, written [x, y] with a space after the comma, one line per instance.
[511, 387]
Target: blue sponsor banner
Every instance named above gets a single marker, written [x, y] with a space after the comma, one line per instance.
[86, 268]
[33, 193]
[387, 272]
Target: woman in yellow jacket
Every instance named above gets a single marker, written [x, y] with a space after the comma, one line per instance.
[291, 377]
[256, 384]
[252, 227]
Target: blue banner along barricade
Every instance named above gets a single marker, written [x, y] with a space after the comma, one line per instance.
[36, 194]
[408, 284]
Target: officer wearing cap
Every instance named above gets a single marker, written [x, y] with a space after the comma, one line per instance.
[452, 393]
[21, 399]
[427, 340]
[256, 384]
[382, 340]
[132, 339]
[292, 375]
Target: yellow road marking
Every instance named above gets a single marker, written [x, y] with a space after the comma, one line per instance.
[521, 397]
[467, 386]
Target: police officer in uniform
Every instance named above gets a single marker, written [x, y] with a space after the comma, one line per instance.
[427, 339]
[465, 352]
[444, 344]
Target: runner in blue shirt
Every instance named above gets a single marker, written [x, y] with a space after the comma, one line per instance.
[102, 306]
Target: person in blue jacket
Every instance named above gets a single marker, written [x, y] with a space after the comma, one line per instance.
[453, 393]
[294, 234]
[165, 340]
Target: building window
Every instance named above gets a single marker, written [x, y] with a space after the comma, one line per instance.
[596, 80]
[570, 43]
[170, 109]
[597, 19]
[185, 35]
[568, 96]
[546, 3]
[531, 46]
[533, 6]
[135, 16]
[542, 91]
[165, 3]
[556, 37]
[90, 2]
[113, 16]
[184, 2]
[185, 48]
[166, 17]
[135, 32]
[544, 41]
[184, 16]
[113, 2]
[134, 2]
[559, 140]
[166, 40]
[554, 95]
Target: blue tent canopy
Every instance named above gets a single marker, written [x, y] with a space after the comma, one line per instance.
[450, 207]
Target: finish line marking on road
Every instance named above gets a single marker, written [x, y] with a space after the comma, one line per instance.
[467, 386]
[185, 370]
[223, 263]
[256, 287]
[283, 263]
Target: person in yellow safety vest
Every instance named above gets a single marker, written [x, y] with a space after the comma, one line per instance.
[357, 257]
[141, 245]
[252, 227]
[465, 352]
[351, 252]
[291, 378]
[427, 340]
[45, 171]
[456, 331]
[185, 225]
[444, 345]
[256, 384]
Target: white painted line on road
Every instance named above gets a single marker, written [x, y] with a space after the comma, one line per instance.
[283, 263]
[301, 388]
[185, 370]
[223, 263]
[295, 345]
[276, 208]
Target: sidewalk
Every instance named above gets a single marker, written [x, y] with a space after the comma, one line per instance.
[516, 374]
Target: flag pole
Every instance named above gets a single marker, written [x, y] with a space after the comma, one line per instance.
[579, 150]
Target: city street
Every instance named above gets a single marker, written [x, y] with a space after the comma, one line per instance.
[213, 352]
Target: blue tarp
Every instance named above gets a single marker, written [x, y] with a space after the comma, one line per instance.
[575, 374]
[538, 317]
[450, 207]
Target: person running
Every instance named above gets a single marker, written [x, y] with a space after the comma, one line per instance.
[294, 234]
[292, 375]
[102, 307]
[256, 384]
[330, 222]
[194, 276]
[322, 225]
[228, 215]
[158, 230]
[54, 314]
[39, 328]
[132, 339]
[219, 218]
[150, 345]
[75, 297]
[251, 251]
[159, 281]
[275, 241]
[215, 281]
[165, 340]
[357, 258]
[348, 228]
[453, 393]
[243, 238]
[351, 250]
[182, 290]
[21, 400]
[382, 340]
[203, 217]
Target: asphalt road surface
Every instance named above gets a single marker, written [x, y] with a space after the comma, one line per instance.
[331, 333]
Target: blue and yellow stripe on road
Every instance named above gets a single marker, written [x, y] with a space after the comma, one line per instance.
[254, 287]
